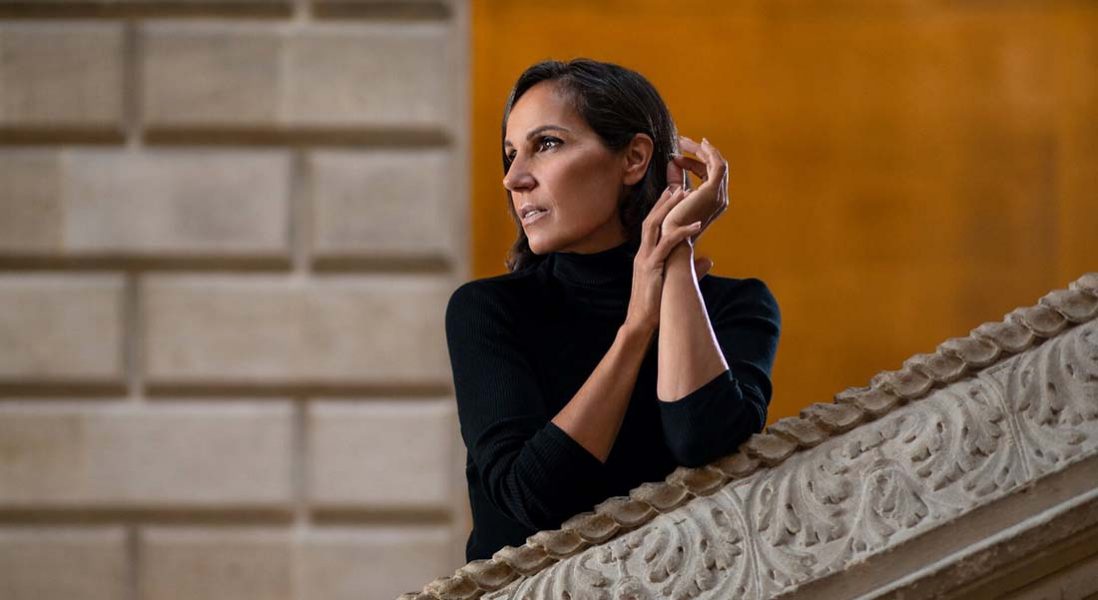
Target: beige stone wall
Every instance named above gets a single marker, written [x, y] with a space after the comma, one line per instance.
[228, 231]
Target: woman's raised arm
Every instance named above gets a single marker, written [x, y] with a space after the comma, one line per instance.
[714, 375]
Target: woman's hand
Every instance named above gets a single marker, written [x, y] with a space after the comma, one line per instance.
[657, 241]
[710, 199]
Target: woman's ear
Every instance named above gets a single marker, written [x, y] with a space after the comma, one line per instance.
[637, 155]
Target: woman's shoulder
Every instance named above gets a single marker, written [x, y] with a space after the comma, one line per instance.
[738, 291]
[501, 291]
[741, 285]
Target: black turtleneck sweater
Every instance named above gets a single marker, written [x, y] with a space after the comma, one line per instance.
[522, 344]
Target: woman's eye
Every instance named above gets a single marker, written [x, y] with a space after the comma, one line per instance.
[541, 141]
[549, 139]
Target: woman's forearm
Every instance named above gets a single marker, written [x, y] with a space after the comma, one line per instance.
[689, 355]
[594, 415]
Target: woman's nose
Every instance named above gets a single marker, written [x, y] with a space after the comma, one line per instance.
[517, 177]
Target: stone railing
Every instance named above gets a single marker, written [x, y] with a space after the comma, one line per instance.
[860, 495]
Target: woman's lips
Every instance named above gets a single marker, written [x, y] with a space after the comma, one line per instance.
[534, 217]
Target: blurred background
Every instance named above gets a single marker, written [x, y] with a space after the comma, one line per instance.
[229, 228]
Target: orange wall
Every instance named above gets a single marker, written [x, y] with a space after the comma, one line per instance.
[897, 175]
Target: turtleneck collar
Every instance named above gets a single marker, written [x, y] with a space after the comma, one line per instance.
[611, 268]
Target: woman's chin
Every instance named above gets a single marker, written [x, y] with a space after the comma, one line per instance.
[538, 244]
[535, 245]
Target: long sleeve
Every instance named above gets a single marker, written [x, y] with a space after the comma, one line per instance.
[530, 469]
[714, 419]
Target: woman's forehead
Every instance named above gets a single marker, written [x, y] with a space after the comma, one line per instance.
[539, 107]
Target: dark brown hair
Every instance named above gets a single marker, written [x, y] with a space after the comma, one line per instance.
[617, 103]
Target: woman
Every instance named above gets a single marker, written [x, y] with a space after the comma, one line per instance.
[563, 399]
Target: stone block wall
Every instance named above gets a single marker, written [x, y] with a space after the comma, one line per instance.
[228, 231]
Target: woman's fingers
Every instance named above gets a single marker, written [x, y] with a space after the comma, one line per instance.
[707, 169]
[689, 144]
[676, 196]
[716, 168]
[693, 165]
[669, 241]
[664, 206]
[710, 149]
[717, 165]
[714, 163]
[665, 196]
[676, 175]
[656, 225]
[650, 227]
[698, 167]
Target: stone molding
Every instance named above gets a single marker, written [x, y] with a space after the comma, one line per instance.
[844, 481]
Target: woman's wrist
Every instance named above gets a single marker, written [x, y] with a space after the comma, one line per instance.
[633, 332]
[681, 258]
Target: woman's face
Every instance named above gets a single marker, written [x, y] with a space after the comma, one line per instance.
[561, 167]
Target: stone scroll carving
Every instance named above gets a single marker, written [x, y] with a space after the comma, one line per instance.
[981, 418]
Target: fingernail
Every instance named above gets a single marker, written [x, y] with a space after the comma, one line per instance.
[705, 141]
[696, 225]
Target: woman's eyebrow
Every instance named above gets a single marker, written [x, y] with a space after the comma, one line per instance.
[537, 131]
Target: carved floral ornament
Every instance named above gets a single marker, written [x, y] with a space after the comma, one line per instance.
[844, 480]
